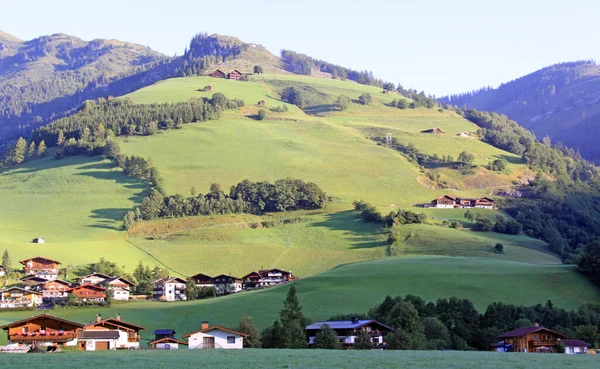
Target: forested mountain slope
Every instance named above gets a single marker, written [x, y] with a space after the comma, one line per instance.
[561, 101]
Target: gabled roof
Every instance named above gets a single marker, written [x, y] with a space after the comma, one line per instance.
[55, 280]
[236, 71]
[44, 315]
[97, 335]
[225, 276]
[39, 258]
[170, 280]
[215, 327]
[168, 340]
[520, 332]
[164, 331]
[20, 289]
[33, 278]
[251, 274]
[95, 274]
[575, 343]
[446, 196]
[274, 270]
[199, 275]
[346, 324]
[111, 279]
[116, 323]
[90, 286]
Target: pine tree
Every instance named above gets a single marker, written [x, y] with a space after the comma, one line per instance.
[19, 151]
[291, 321]
[60, 139]
[247, 327]
[6, 262]
[363, 342]
[32, 151]
[41, 150]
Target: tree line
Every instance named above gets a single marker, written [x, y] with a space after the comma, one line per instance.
[246, 197]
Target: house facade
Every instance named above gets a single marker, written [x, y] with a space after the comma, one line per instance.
[575, 346]
[218, 74]
[118, 287]
[349, 330]
[41, 267]
[16, 297]
[109, 334]
[444, 202]
[462, 202]
[42, 330]
[94, 278]
[89, 292]
[202, 280]
[170, 289]
[272, 277]
[227, 284]
[165, 339]
[531, 339]
[235, 74]
[215, 337]
[54, 289]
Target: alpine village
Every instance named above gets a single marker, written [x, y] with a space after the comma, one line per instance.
[298, 212]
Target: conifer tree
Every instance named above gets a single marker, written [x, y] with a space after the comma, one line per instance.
[32, 151]
[291, 321]
[19, 151]
[41, 150]
[6, 262]
[60, 140]
[247, 327]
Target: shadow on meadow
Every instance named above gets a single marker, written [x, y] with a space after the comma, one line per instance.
[362, 235]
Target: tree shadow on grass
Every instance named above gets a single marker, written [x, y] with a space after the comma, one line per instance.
[320, 109]
[361, 234]
[106, 218]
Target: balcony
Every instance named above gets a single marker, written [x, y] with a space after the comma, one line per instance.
[133, 339]
[48, 337]
[543, 343]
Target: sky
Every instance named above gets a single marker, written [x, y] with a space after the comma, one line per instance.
[438, 46]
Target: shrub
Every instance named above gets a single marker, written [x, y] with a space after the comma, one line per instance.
[499, 247]
[262, 115]
[365, 99]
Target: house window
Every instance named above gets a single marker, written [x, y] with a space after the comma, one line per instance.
[230, 339]
[535, 337]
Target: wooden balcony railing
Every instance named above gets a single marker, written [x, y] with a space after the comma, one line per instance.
[543, 343]
[43, 338]
[133, 339]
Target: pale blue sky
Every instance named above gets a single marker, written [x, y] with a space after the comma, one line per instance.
[439, 46]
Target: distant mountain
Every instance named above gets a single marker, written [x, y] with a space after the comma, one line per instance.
[45, 77]
[561, 101]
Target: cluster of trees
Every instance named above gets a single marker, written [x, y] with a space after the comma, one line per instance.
[342, 102]
[369, 213]
[419, 98]
[21, 152]
[413, 155]
[205, 51]
[193, 292]
[501, 225]
[498, 165]
[365, 99]
[304, 64]
[294, 95]
[280, 108]
[245, 197]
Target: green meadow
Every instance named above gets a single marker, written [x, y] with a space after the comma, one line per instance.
[304, 359]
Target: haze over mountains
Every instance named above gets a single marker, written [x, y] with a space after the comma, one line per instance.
[561, 101]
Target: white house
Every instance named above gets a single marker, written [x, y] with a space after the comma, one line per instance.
[227, 284]
[119, 287]
[215, 337]
[575, 346]
[167, 343]
[170, 289]
[109, 334]
[94, 278]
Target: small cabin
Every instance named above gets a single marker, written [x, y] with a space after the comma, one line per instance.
[385, 91]
[262, 103]
[218, 74]
[235, 74]
[207, 88]
[435, 130]
[39, 240]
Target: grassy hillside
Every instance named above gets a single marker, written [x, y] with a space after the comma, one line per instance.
[252, 359]
[357, 287]
[76, 203]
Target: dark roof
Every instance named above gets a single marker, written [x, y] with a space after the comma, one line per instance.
[225, 276]
[97, 334]
[107, 281]
[21, 289]
[105, 276]
[168, 340]
[38, 257]
[346, 324]
[575, 343]
[199, 275]
[520, 332]
[164, 331]
[40, 316]
[170, 280]
[215, 327]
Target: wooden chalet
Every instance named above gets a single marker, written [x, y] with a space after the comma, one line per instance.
[484, 202]
[348, 331]
[251, 279]
[119, 287]
[109, 334]
[202, 280]
[17, 297]
[271, 277]
[42, 330]
[531, 339]
[235, 74]
[89, 292]
[54, 289]
[41, 267]
[94, 278]
[218, 74]
[465, 203]
[435, 130]
[31, 280]
[227, 284]
[262, 103]
[443, 202]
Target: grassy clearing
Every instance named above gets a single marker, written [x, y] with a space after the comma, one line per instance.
[309, 359]
[359, 286]
[76, 203]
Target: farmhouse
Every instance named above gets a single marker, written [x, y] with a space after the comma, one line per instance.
[109, 334]
[575, 346]
[227, 284]
[218, 74]
[42, 330]
[207, 88]
[435, 130]
[54, 289]
[215, 337]
[94, 278]
[165, 339]
[89, 292]
[39, 240]
[443, 202]
[202, 280]
[235, 74]
[271, 277]
[16, 297]
[348, 331]
[262, 103]
[119, 287]
[484, 202]
[531, 339]
[41, 267]
[169, 289]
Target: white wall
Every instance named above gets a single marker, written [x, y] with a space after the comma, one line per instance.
[167, 346]
[196, 340]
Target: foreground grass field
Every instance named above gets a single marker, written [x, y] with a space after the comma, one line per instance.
[296, 359]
